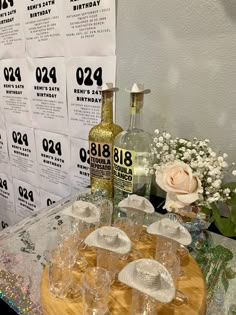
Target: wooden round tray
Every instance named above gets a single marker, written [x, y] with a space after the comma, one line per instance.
[192, 285]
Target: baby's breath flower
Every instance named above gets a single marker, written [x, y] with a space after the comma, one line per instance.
[204, 162]
[224, 164]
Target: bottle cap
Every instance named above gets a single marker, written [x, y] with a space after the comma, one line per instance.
[138, 88]
[108, 86]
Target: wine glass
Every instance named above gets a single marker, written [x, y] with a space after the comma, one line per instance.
[172, 263]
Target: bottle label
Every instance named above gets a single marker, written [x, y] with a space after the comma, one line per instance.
[100, 160]
[123, 169]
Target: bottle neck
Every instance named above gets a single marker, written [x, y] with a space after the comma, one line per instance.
[136, 105]
[107, 107]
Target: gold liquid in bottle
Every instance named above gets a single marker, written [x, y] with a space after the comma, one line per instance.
[101, 139]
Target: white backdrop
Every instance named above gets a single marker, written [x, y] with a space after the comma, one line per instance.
[53, 56]
[185, 52]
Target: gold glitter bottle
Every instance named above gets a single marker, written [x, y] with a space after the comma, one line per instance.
[101, 139]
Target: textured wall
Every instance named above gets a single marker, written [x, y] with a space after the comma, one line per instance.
[185, 51]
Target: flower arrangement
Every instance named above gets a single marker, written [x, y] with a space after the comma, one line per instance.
[192, 174]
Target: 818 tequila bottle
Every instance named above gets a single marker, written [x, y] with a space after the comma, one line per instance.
[132, 153]
[101, 139]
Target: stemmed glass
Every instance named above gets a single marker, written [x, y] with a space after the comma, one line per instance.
[96, 285]
[165, 243]
[108, 260]
[143, 304]
[106, 208]
[60, 278]
[172, 263]
[61, 258]
[128, 226]
[137, 217]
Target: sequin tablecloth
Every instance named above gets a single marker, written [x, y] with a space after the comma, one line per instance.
[22, 258]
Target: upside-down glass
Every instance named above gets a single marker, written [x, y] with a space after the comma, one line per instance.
[109, 261]
[142, 304]
[96, 285]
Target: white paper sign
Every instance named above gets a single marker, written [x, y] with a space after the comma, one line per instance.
[8, 219]
[27, 198]
[6, 193]
[5, 166]
[90, 27]
[53, 156]
[3, 147]
[84, 75]
[12, 43]
[21, 143]
[4, 157]
[79, 172]
[43, 24]
[48, 94]
[15, 91]
[47, 199]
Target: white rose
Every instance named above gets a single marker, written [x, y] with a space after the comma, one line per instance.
[176, 178]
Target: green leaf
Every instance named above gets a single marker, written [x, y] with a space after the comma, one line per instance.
[224, 225]
[230, 185]
[231, 202]
[230, 273]
[206, 210]
[225, 282]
